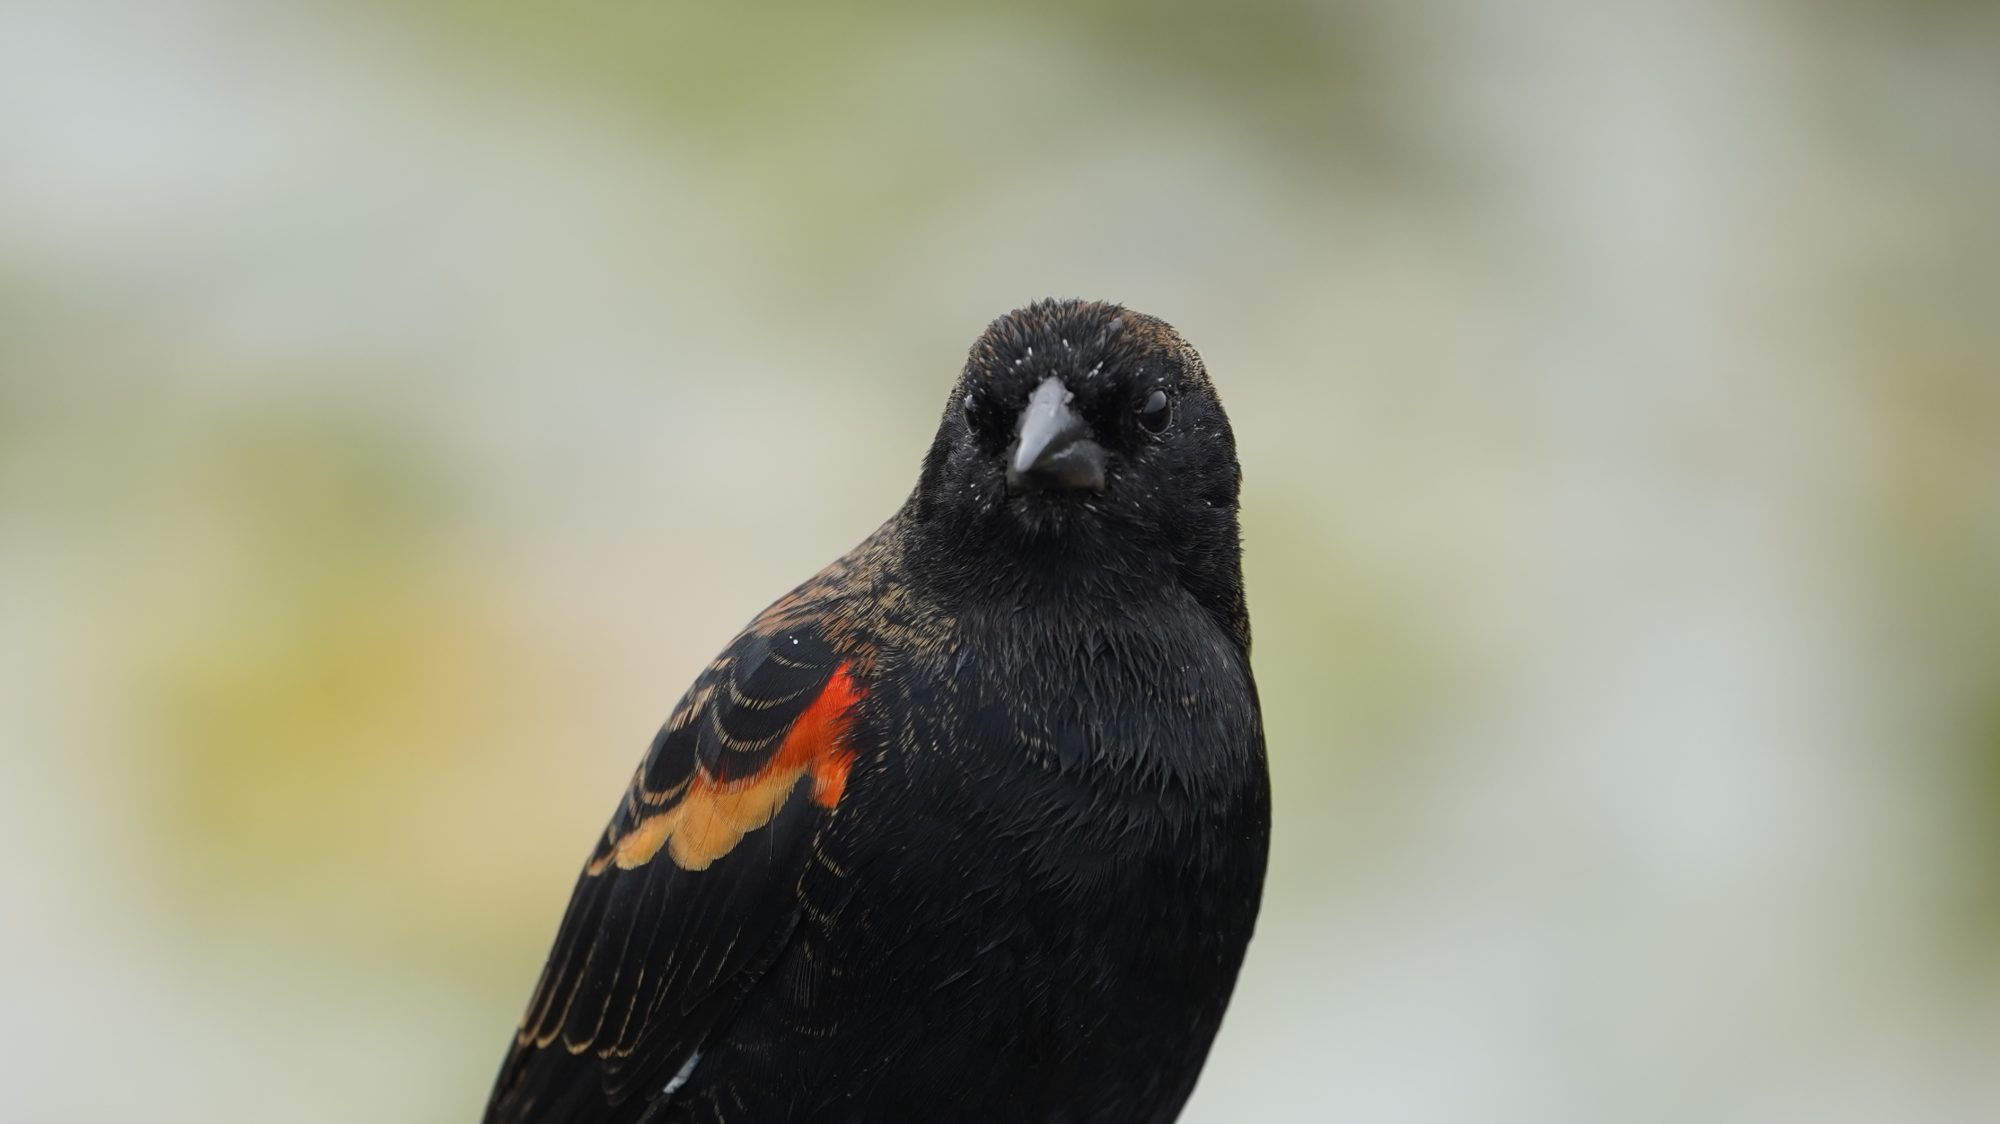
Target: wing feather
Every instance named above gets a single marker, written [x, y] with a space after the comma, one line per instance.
[674, 917]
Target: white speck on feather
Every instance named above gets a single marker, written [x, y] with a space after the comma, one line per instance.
[681, 1078]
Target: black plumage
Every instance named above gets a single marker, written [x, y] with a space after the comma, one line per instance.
[972, 825]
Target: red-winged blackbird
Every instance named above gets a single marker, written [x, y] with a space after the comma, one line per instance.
[972, 825]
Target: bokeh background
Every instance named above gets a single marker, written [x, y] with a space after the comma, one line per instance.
[400, 402]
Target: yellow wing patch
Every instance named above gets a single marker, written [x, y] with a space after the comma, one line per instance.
[713, 816]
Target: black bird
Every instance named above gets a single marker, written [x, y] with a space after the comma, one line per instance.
[972, 825]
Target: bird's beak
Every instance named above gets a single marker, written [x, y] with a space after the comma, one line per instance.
[1054, 450]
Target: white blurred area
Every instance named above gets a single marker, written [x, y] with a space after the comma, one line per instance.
[399, 404]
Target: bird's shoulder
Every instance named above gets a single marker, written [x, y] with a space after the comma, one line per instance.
[675, 916]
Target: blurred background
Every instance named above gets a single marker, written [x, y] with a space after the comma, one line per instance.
[400, 403]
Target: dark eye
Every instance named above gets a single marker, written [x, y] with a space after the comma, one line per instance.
[970, 406]
[1154, 414]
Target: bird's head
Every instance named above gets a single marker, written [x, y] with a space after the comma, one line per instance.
[1084, 442]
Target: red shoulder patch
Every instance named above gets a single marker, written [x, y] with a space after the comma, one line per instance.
[818, 740]
[712, 816]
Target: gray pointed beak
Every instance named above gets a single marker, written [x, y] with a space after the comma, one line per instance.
[1054, 450]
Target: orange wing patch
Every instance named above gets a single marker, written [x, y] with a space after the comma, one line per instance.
[713, 816]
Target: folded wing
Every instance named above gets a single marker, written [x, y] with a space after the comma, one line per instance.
[694, 888]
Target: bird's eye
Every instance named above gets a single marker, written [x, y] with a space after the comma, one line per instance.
[970, 406]
[1154, 414]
